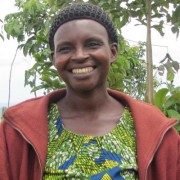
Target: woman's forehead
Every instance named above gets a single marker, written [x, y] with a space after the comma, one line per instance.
[80, 26]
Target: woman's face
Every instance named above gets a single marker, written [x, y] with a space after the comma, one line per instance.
[83, 54]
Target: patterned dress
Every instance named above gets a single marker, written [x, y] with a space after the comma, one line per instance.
[108, 157]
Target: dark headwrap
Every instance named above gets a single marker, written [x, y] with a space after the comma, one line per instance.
[82, 11]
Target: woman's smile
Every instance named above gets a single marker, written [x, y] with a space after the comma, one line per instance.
[82, 70]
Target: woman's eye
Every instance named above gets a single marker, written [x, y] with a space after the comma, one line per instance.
[93, 45]
[65, 49]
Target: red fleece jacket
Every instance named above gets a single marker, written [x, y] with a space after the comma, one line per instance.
[24, 139]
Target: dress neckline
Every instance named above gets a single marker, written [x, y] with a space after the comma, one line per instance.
[71, 133]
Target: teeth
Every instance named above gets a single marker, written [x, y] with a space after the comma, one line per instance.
[82, 70]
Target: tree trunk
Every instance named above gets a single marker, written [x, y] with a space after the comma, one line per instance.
[149, 87]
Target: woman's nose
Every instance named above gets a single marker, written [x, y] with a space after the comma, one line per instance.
[80, 54]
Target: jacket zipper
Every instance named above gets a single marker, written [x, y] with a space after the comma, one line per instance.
[157, 149]
[29, 143]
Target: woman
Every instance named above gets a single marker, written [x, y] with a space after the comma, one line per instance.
[86, 131]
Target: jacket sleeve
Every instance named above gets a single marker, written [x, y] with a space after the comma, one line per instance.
[4, 164]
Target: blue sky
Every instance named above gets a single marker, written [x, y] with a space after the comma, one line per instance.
[8, 48]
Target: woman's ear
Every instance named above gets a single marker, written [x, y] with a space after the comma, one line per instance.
[114, 51]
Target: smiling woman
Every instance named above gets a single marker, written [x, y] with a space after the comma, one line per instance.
[86, 131]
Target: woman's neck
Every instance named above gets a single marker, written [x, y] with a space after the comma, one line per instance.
[90, 113]
[85, 101]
